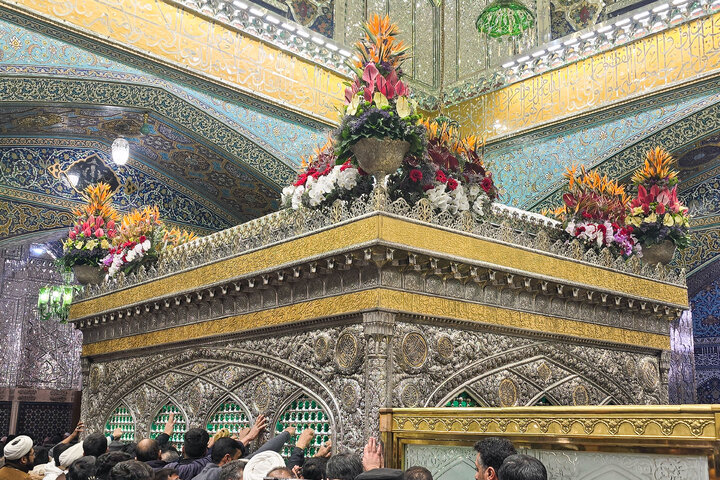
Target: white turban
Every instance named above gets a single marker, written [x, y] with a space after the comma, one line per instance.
[71, 454]
[18, 447]
[261, 464]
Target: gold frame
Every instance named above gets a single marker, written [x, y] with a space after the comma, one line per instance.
[650, 429]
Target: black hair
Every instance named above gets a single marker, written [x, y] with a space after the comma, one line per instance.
[95, 445]
[417, 473]
[522, 467]
[107, 461]
[344, 466]
[131, 470]
[493, 451]
[196, 441]
[42, 455]
[232, 470]
[130, 448]
[82, 469]
[224, 446]
[165, 473]
[58, 450]
[314, 468]
[147, 450]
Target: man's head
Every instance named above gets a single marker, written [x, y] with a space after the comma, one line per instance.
[81, 469]
[280, 472]
[344, 466]
[232, 470]
[196, 441]
[107, 461]
[167, 474]
[522, 467]
[169, 454]
[314, 468]
[19, 453]
[131, 470]
[147, 450]
[492, 451]
[417, 473]
[95, 445]
[226, 450]
[58, 450]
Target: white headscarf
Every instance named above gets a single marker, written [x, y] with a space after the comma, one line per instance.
[18, 447]
[261, 464]
[71, 454]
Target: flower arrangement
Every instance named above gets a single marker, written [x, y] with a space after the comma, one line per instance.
[91, 237]
[143, 237]
[323, 181]
[656, 213]
[377, 101]
[594, 212]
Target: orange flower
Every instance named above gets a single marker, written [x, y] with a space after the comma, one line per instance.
[658, 163]
[379, 44]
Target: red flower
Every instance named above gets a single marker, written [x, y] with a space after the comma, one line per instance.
[586, 215]
[428, 187]
[440, 177]
[486, 184]
[629, 229]
[111, 224]
[452, 184]
[345, 166]
[142, 238]
[416, 175]
[99, 233]
[660, 209]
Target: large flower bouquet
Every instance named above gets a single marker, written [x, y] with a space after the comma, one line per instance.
[143, 237]
[91, 237]
[594, 213]
[451, 175]
[656, 213]
[377, 101]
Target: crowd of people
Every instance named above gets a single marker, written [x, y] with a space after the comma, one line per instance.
[228, 457]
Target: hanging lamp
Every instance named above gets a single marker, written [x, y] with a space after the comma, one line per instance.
[503, 18]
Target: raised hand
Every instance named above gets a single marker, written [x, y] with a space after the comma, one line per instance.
[373, 456]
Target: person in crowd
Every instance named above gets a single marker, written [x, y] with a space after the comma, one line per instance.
[314, 468]
[69, 439]
[231, 470]
[280, 472]
[68, 457]
[167, 474]
[194, 454]
[169, 454]
[82, 469]
[19, 458]
[522, 467]
[344, 466]
[131, 470]
[491, 453]
[107, 461]
[224, 450]
[148, 451]
[259, 465]
[417, 473]
[42, 462]
[53, 469]
[95, 445]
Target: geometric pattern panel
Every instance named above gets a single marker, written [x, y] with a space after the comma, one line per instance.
[229, 415]
[158, 425]
[304, 412]
[41, 420]
[121, 418]
[5, 408]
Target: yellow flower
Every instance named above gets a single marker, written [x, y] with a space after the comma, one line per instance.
[668, 220]
[636, 221]
[353, 106]
[79, 245]
[380, 100]
[637, 210]
[104, 244]
[403, 107]
[652, 218]
[91, 244]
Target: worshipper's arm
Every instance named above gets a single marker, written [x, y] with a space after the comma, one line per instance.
[373, 456]
[297, 457]
[79, 428]
[164, 437]
[276, 443]
[324, 450]
[259, 426]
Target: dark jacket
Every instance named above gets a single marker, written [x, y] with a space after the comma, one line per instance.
[275, 444]
[381, 474]
[156, 464]
[210, 472]
[188, 468]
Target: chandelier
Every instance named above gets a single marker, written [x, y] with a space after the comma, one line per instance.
[505, 18]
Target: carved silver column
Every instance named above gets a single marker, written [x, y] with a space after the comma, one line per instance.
[378, 328]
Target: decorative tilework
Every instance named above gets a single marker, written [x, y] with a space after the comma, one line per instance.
[32, 53]
[40, 420]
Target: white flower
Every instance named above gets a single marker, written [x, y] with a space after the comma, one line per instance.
[316, 195]
[287, 194]
[146, 245]
[473, 191]
[570, 228]
[478, 206]
[131, 255]
[347, 179]
[296, 200]
[460, 200]
[439, 198]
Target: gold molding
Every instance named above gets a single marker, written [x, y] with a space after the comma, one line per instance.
[384, 299]
[384, 229]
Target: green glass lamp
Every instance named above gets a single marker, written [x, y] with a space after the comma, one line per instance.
[505, 18]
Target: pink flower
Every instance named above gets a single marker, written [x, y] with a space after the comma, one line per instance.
[72, 235]
[370, 73]
[384, 87]
[352, 90]
[660, 209]
[400, 89]
[111, 224]
[99, 233]
[99, 222]
[368, 93]
[392, 77]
